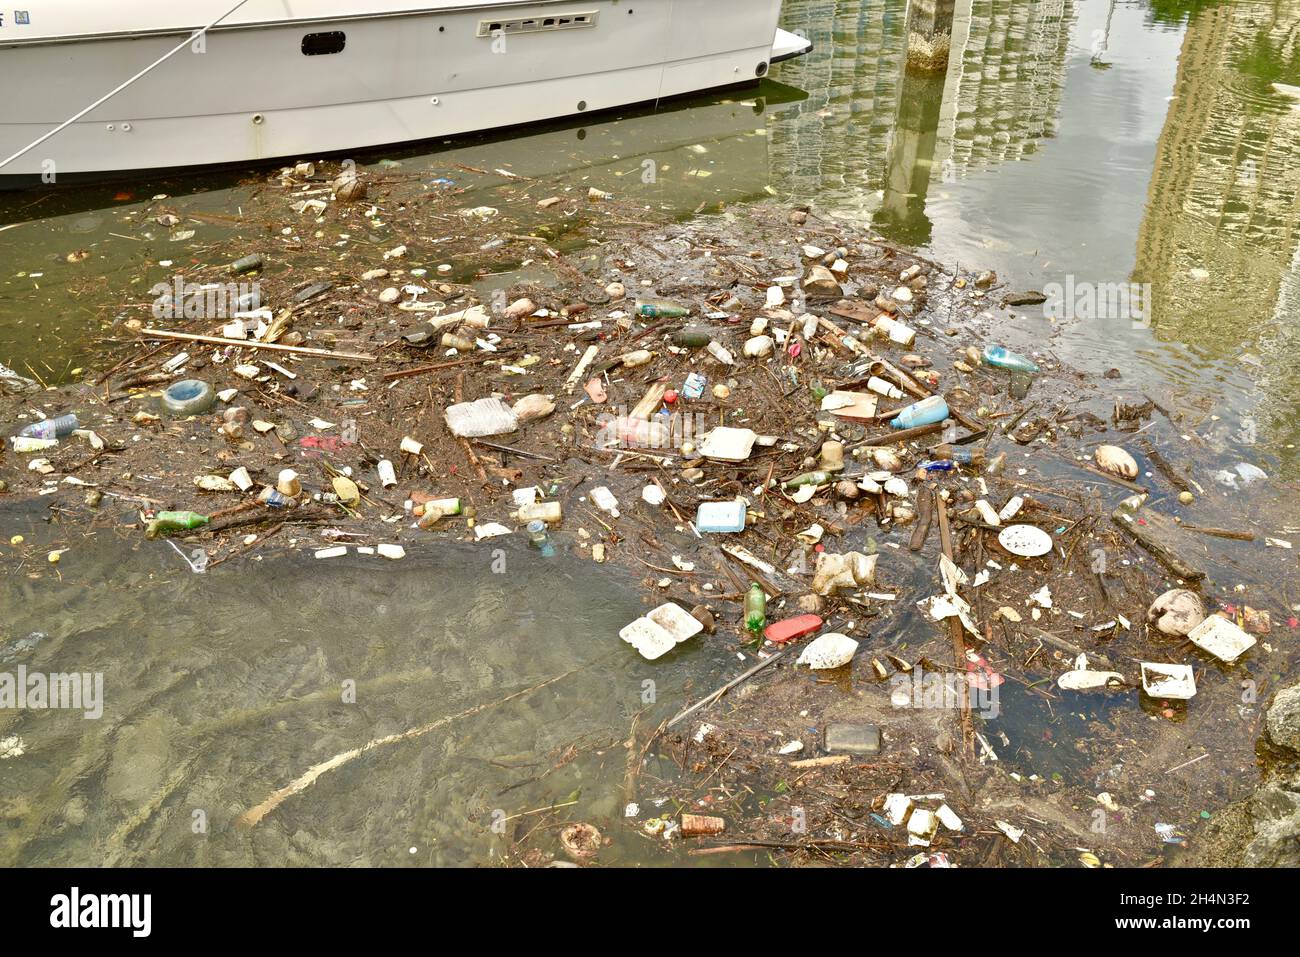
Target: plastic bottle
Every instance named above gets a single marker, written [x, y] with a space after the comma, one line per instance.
[248, 263]
[895, 331]
[885, 388]
[605, 500]
[189, 397]
[638, 358]
[51, 428]
[273, 498]
[819, 477]
[755, 609]
[660, 309]
[539, 539]
[1004, 358]
[164, 523]
[548, 512]
[937, 465]
[926, 412]
[960, 454]
[438, 508]
[720, 352]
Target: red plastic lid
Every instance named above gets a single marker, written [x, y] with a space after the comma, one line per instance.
[780, 632]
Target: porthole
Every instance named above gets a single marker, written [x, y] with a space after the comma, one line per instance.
[321, 44]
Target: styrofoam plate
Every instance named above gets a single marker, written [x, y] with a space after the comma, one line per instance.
[728, 444]
[1221, 638]
[1027, 541]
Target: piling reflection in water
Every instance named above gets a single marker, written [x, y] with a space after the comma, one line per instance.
[1112, 144]
[1220, 242]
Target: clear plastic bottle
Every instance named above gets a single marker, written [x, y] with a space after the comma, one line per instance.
[605, 500]
[51, 428]
[721, 353]
[539, 539]
[960, 454]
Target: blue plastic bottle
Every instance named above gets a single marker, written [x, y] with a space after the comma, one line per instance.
[1004, 358]
[926, 412]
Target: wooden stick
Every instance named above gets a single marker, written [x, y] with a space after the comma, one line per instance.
[954, 626]
[1111, 477]
[902, 435]
[1221, 532]
[507, 448]
[252, 816]
[924, 511]
[252, 344]
[418, 370]
[1155, 536]
[737, 845]
[723, 690]
[825, 762]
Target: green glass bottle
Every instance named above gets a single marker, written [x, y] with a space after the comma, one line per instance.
[693, 337]
[755, 609]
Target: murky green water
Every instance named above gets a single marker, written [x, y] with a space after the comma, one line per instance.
[219, 688]
[1068, 141]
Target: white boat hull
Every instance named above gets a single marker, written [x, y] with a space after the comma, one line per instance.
[252, 94]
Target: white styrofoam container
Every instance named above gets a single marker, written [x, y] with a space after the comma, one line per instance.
[1221, 638]
[661, 630]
